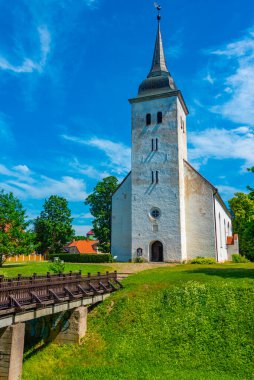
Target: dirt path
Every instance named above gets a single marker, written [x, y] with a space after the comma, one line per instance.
[126, 269]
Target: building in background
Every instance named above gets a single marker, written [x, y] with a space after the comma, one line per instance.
[82, 247]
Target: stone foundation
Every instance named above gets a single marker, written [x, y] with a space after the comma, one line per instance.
[11, 351]
[76, 329]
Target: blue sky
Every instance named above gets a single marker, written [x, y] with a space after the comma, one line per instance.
[68, 67]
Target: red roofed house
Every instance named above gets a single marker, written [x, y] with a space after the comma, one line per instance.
[83, 247]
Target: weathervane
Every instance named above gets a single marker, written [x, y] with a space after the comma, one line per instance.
[158, 7]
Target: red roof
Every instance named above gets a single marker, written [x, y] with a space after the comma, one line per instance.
[84, 246]
[90, 232]
[231, 239]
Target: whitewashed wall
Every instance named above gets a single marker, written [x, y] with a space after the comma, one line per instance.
[224, 229]
[165, 195]
[200, 227]
[121, 221]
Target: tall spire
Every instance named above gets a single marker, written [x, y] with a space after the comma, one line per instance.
[159, 63]
[159, 79]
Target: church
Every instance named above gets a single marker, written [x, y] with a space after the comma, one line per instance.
[165, 210]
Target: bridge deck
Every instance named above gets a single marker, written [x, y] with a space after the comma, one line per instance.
[22, 294]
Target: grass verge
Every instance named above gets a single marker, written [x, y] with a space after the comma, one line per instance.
[182, 322]
[28, 268]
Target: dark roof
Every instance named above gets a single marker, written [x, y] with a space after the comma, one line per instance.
[159, 78]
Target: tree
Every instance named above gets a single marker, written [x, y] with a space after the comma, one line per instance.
[80, 237]
[53, 228]
[14, 237]
[242, 205]
[100, 207]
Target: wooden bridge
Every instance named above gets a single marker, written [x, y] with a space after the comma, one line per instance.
[66, 296]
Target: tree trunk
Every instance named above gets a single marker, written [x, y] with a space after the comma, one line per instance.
[2, 259]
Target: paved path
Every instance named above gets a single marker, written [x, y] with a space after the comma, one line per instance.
[126, 269]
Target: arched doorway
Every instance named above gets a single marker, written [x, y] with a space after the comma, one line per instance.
[157, 251]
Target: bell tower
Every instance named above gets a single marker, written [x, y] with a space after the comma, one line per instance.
[159, 149]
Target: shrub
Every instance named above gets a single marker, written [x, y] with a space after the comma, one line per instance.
[140, 260]
[236, 258]
[203, 260]
[93, 258]
[57, 266]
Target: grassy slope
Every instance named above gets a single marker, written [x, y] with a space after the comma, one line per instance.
[27, 269]
[183, 322]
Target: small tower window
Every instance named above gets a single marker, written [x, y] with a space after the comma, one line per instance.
[182, 124]
[154, 145]
[148, 119]
[159, 117]
[157, 176]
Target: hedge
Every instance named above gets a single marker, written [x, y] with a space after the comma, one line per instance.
[236, 258]
[93, 258]
[203, 260]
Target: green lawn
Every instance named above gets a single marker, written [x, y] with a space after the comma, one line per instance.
[28, 268]
[186, 322]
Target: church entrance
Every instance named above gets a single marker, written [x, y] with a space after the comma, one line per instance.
[157, 251]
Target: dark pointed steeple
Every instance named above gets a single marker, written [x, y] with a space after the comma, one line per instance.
[159, 79]
[159, 63]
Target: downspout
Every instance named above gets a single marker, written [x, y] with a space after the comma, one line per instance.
[215, 225]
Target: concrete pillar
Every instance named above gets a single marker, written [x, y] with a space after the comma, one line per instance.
[11, 351]
[75, 329]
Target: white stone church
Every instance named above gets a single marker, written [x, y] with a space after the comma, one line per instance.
[165, 210]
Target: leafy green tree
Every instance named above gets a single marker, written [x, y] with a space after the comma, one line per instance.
[242, 205]
[14, 237]
[53, 228]
[81, 237]
[100, 207]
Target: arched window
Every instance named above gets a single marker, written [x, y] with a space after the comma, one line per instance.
[148, 119]
[225, 232]
[228, 230]
[159, 117]
[154, 145]
[220, 231]
[157, 176]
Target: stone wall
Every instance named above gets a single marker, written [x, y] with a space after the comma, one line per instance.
[200, 227]
[224, 229]
[166, 194]
[121, 221]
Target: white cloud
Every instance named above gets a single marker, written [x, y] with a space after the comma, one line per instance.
[89, 170]
[118, 154]
[86, 215]
[22, 169]
[26, 184]
[228, 191]
[28, 65]
[81, 230]
[235, 61]
[209, 78]
[222, 144]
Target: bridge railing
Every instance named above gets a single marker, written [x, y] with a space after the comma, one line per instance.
[22, 293]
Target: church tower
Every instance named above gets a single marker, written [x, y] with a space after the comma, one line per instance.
[165, 210]
[159, 149]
